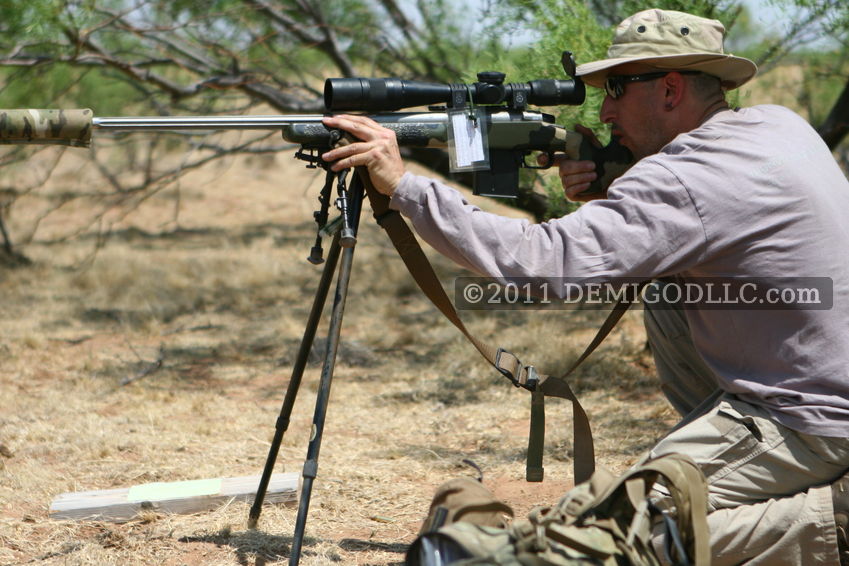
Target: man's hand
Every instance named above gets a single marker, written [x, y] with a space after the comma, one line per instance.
[576, 176]
[377, 151]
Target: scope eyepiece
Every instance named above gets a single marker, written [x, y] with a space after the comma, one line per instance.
[555, 92]
[392, 94]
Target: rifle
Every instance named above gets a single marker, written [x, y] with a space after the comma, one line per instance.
[487, 128]
[508, 129]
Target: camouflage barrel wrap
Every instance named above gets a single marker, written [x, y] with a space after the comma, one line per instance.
[34, 126]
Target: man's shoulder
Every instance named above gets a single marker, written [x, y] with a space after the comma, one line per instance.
[766, 113]
[757, 120]
[730, 130]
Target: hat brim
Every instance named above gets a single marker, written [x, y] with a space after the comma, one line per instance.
[731, 70]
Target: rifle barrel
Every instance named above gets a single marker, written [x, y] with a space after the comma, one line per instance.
[164, 123]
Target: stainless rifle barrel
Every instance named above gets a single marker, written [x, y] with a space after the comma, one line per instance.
[162, 123]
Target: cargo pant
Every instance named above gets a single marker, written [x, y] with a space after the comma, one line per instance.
[769, 494]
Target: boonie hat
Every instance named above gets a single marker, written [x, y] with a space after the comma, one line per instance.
[672, 40]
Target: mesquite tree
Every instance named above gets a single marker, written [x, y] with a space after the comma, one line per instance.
[167, 57]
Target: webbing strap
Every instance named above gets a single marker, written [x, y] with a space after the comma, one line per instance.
[687, 486]
[504, 361]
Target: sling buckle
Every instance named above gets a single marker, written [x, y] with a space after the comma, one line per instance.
[504, 371]
[531, 377]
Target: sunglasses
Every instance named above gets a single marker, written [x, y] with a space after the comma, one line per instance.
[614, 85]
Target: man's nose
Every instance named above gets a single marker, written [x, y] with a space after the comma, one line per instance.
[608, 110]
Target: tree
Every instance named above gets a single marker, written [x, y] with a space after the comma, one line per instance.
[585, 26]
[824, 22]
[236, 56]
[170, 57]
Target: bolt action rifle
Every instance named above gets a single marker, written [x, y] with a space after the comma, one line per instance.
[487, 128]
[497, 114]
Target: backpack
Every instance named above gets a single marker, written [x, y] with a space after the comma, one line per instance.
[604, 521]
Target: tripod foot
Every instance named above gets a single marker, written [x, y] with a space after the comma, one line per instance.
[252, 523]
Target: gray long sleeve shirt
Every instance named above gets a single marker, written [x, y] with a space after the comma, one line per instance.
[751, 193]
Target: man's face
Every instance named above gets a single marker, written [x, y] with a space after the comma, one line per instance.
[636, 117]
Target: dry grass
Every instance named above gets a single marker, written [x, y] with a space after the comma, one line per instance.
[221, 292]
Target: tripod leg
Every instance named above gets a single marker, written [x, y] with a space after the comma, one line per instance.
[311, 463]
[295, 381]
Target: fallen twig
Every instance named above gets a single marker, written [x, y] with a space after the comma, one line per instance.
[148, 369]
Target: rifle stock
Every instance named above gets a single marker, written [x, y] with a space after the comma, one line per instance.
[512, 135]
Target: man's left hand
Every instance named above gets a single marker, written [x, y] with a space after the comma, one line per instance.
[377, 150]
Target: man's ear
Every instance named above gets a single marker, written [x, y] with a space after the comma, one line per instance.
[674, 85]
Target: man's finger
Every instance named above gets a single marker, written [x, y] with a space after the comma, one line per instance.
[570, 181]
[344, 151]
[571, 167]
[362, 127]
[573, 192]
[350, 161]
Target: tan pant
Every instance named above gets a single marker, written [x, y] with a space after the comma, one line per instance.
[768, 486]
[769, 498]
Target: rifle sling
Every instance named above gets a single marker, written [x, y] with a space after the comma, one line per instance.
[504, 361]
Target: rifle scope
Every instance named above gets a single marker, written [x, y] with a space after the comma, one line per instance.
[391, 94]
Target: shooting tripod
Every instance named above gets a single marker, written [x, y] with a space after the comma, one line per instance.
[349, 202]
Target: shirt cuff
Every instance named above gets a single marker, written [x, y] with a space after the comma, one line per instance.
[409, 194]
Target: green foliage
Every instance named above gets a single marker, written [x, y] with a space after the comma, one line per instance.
[64, 86]
[585, 28]
[31, 19]
[832, 15]
[616, 11]
[824, 78]
[184, 56]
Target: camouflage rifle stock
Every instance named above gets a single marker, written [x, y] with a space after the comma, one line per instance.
[512, 135]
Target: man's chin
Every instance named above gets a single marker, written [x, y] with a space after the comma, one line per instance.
[625, 142]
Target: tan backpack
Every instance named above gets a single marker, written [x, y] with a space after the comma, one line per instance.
[603, 521]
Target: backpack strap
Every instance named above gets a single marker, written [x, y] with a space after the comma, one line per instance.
[605, 521]
[688, 487]
[687, 533]
[465, 499]
[507, 363]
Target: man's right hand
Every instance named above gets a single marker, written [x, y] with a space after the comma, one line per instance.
[576, 176]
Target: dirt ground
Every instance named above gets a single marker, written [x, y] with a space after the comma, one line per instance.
[162, 353]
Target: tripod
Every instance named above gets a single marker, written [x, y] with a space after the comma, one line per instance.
[349, 202]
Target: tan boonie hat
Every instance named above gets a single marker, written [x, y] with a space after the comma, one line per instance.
[666, 39]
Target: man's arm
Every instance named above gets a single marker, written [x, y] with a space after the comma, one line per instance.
[648, 226]
[378, 151]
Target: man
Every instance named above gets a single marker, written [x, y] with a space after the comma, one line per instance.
[716, 192]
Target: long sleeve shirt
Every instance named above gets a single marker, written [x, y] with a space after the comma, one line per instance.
[751, 193]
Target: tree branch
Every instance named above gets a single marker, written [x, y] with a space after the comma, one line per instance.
[835, 127]
[325, 42]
